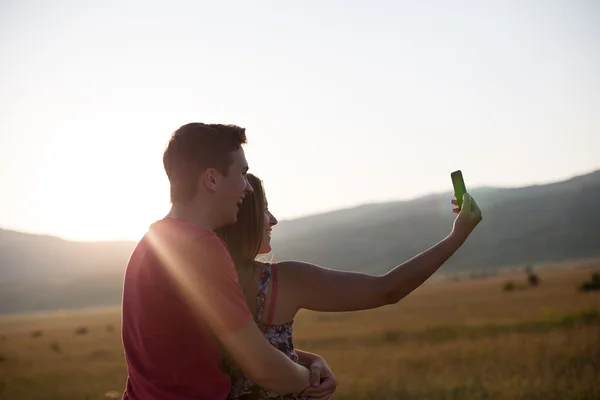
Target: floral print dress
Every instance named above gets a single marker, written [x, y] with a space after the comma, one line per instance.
[280, 336]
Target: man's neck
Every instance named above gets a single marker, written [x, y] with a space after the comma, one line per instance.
[193, 213]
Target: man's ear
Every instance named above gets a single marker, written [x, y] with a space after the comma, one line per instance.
[209, 179]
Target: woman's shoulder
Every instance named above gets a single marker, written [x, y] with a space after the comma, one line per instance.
[279, 265]
[292, 270]
[289, 263]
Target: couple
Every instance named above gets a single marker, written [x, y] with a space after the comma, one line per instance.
[202, 319]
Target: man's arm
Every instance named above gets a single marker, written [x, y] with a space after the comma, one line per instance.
[263, 363]
[204, 272]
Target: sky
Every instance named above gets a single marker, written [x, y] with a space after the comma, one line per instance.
[344, 102]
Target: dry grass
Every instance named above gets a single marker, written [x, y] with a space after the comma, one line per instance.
[465, 340]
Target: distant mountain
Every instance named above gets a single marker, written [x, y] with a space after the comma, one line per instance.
[44, 273]
[28, 257]
[553, 222]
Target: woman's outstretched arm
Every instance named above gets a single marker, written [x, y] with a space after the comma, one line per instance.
[321, 289]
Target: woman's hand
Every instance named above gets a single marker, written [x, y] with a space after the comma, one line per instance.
[468, 217]
[323, 382]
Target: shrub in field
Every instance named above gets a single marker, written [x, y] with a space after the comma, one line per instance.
[592, 284]
[37, 333]
[55, 347]
[532, 278]
[82, 330]
[509, 286]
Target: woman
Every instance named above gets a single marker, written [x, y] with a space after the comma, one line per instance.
[286, 287]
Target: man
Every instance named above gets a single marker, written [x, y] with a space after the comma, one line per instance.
[182, 303]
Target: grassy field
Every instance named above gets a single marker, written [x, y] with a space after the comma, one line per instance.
[459, 340]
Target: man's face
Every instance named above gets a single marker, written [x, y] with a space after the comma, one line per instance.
[233, 187]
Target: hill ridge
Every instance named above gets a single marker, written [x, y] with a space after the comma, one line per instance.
[539, 223]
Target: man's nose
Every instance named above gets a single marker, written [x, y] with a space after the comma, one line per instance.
[249, 188]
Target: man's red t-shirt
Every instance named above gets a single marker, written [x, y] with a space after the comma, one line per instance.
[180, 293]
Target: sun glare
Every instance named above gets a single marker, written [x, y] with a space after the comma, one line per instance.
[111, 193]
[183, 267]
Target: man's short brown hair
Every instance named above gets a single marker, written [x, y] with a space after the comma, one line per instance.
[193, 148]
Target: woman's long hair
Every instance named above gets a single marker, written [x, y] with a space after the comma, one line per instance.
[244, 238]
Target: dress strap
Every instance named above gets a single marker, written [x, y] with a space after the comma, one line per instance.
[263, 288]
[274, 297]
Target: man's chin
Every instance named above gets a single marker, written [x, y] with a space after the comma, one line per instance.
[232, 221]
[228, 221]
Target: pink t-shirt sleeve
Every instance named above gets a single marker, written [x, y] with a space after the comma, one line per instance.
[204, 275]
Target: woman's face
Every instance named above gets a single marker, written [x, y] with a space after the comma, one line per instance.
[270, 222]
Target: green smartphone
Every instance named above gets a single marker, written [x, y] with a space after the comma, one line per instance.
[459, 187]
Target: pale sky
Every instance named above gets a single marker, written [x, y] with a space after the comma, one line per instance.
[344, 102]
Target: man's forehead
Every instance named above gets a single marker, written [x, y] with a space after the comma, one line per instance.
[239, 158]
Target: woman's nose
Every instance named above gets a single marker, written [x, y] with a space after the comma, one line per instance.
[272, 219]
